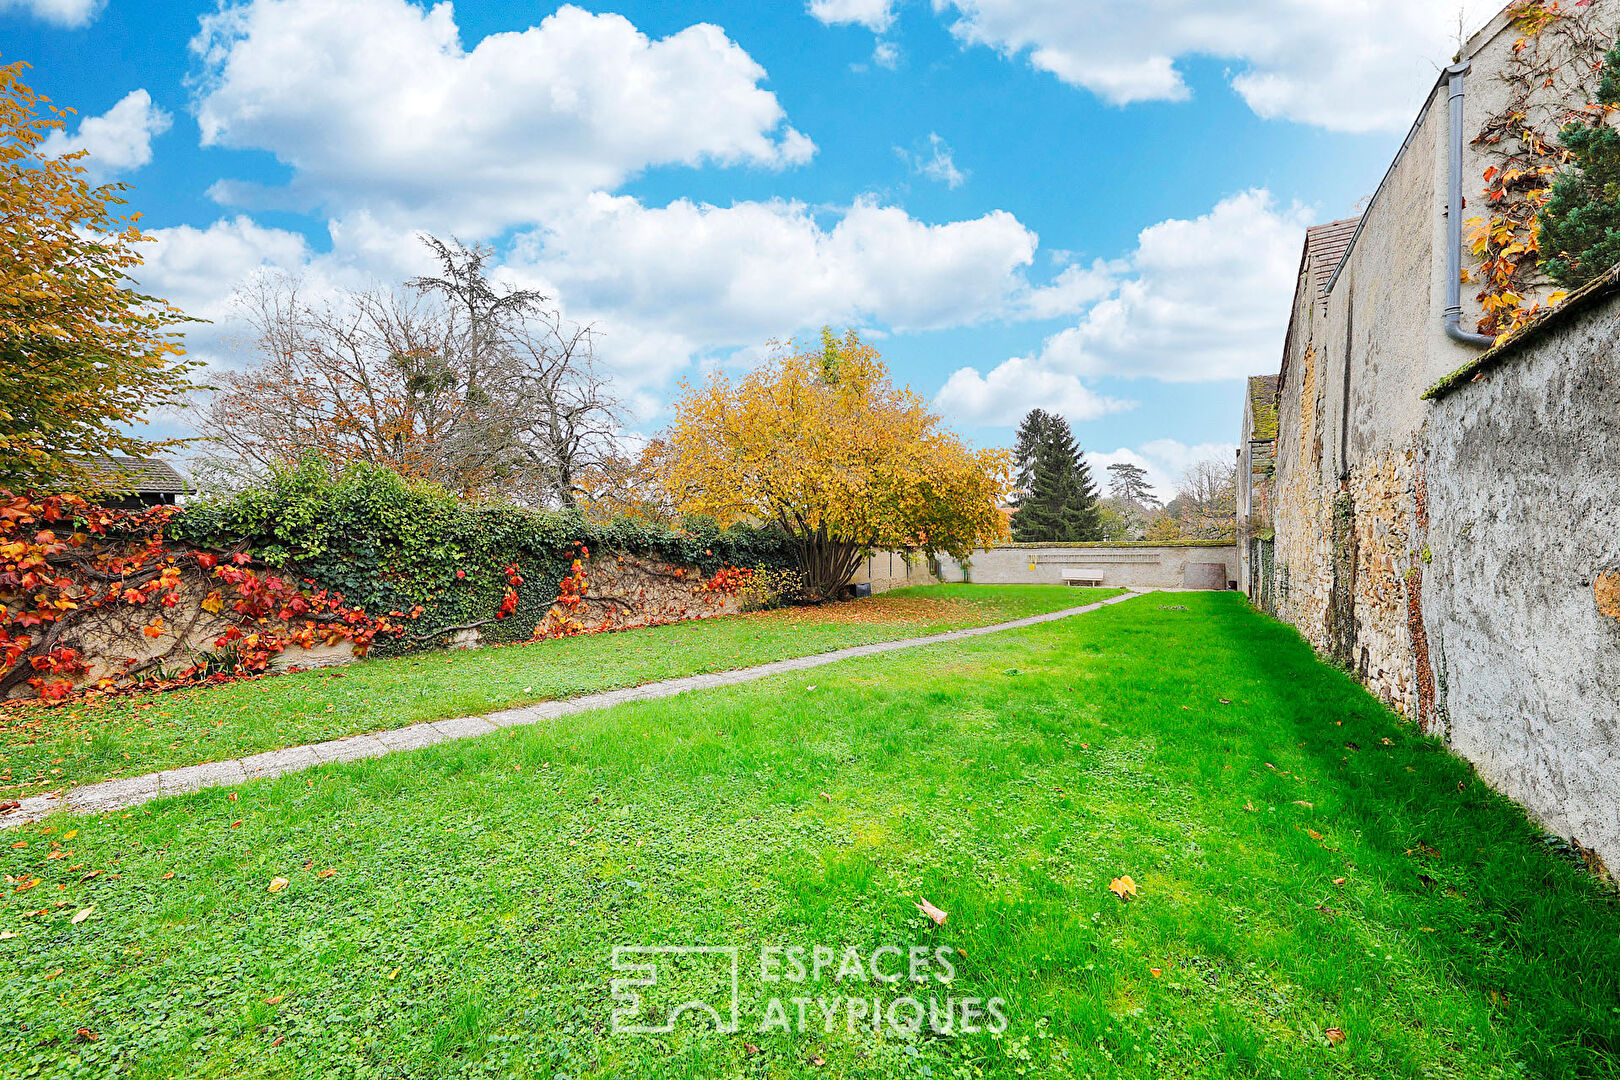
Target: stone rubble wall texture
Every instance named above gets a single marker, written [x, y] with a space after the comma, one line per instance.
[623, 592]
[1452, 554]
[1134, 566]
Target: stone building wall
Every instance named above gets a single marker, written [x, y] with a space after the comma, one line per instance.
[1523, 499]
[1373, 481]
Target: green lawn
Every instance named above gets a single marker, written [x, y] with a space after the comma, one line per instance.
[48, 749]
[477, 889]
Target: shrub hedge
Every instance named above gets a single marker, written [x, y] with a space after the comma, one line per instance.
[392, 545]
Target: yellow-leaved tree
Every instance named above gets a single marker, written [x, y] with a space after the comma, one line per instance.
[820, 442]
[82, 355]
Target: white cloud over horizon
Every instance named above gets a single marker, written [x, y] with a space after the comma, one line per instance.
[117, 141]
[478, 140]
[1200, 300]
[1294, 58]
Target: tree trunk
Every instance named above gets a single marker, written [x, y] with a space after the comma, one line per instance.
[827, 563]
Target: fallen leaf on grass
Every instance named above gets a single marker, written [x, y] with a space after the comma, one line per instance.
[85, 1035]
[824, 795]
[277, 1041]
[1155, 972]
[275, 1000]
[392, 975]
[1223, 701]
[55, 973]
[750, 1049]
[1249, 806]
[816, 1059]
[1313, 834]
[1334, 1035]
[84, 913]
[1338, 881]
[20, 843]
[328, 872]
[932, 912]
[1306, 805]
[168, 875]
[1124, 888]
[7, 935]
[277, 884]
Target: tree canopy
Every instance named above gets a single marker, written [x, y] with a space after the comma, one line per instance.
[1057, 500]
[1129, 483]
[452, 379]
[819, 441]
[1580, 224]
[85, 356]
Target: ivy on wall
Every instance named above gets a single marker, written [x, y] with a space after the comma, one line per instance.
[392, 545]
[90, 596]
[1554, 61]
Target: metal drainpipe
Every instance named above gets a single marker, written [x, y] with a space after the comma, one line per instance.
[1454, 216]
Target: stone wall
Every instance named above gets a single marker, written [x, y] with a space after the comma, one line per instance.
[1130, 565]
[1523, 500]
[885, 570]
[1450, 554]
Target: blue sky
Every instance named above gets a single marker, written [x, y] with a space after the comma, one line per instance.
[1087, 206]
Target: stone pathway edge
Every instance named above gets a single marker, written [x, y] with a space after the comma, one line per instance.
[134, 790]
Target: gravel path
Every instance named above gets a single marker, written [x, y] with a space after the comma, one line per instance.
[134, 790]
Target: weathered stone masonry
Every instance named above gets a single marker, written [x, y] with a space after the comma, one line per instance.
[1454, 542]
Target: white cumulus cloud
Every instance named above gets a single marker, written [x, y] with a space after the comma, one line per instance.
[1013, 388]
[118, 140]
[738, 275]
[876, 15]
[1202, 299]
[1199, 300]
[377, 104]
[1292, 59]
[71, 13]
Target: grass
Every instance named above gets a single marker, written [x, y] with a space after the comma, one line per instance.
[1308, 866]
[45, 749]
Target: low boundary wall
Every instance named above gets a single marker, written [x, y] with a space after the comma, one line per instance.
[1188, 564]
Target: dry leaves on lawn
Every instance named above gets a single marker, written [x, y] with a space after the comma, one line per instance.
[1124, 888]
[277, 884]
[932, 912]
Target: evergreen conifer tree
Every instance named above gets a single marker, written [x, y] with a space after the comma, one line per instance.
[1580, 225]
[1057, 498]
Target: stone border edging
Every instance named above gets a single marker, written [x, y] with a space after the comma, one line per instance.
[135, 790]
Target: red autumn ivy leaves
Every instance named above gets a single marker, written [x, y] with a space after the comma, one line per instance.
[66, 566]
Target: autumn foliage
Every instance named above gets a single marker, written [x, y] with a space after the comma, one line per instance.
[84, 355]
[86, 591]
[819, 442]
